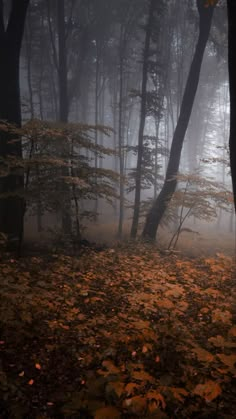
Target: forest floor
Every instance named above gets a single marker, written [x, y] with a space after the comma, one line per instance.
[126, 332]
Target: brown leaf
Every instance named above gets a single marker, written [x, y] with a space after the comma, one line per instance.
[179, 393]
[136, 405]
[229, 360]
[107, 412]
[221, 316]
[209, 391]
[130, 388]
[203, 355]
[158, 397]
[142, 376]
[110, 368]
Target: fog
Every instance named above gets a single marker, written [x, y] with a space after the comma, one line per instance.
[86, 64]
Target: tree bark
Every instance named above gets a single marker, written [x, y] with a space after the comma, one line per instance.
[232, 90]
[62, 63]
[63, 108]
[12, 206]
[138, 180]
[121, 131]
[157, 211]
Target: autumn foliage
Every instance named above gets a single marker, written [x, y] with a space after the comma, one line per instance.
[120, 333]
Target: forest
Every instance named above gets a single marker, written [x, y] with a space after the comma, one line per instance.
[117, 209]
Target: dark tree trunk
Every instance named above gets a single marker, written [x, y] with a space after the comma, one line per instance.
[232, 90]
[121, 131]
[63, 107]
[158, 209]
[12, 207]
[62, 62]
[138, 180]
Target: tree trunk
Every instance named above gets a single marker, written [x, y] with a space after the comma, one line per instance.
[138, 179]
[158, 209]
[121, 133]
[63, 108]
[11, 207]
[62, 62]
[232, 90]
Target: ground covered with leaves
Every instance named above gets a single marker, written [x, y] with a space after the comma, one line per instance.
[121, 333]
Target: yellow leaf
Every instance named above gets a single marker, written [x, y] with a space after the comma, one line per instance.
[208, 391]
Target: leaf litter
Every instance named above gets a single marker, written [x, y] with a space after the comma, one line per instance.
[127, 333]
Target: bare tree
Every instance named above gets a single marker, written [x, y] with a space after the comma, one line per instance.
[232, 89]
[159, 206]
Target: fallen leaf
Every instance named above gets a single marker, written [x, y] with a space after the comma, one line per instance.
[158, 397]
[110, 368]
[142, 376]
[108, 412]
[136, 405]
[209, 391]
[221, 316]
[179, 393]
[203, 355]
[232, 331]
[130, 388]
[229, 360]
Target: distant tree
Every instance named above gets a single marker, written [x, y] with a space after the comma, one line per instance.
[232, 89]
[158, 209]
[11, 34]
[148, 33]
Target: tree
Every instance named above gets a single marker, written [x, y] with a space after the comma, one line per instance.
[148, 33]
[160, 204]
[232, 90]
[11, 34]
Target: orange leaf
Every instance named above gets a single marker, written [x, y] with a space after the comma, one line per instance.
[232, 331]
[31, 382]
[136, 405]
[38, 366]
[221, 316]
[229, 360]
[203, 355]
[107, 412]
[209, 391]
[158, 397]
[179, 393]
